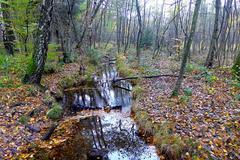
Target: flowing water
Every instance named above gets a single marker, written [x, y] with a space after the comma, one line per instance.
[110, 130]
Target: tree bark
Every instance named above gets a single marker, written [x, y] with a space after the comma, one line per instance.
[139, 36]
[187, 48]
[8, 33]
[41, 44]
[214, 40]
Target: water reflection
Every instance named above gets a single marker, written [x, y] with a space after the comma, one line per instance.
[113, 136]
[105, 94]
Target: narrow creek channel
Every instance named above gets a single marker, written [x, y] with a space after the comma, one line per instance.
[111, 132]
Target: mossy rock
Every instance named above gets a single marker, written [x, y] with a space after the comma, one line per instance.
[55, 112]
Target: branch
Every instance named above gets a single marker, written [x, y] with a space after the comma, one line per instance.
[136, 77]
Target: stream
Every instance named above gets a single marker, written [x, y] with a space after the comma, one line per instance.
[110, 131]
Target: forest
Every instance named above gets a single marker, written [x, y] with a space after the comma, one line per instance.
[120, 79]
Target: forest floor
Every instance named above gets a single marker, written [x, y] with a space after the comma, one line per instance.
[205, 115]
[205, 112]
[23, 111]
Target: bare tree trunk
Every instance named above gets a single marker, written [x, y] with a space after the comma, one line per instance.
[187, 48]
[129, 28]
[224, 31]
[139, 36]
[41, 44]
[214, 40]
[8, 33]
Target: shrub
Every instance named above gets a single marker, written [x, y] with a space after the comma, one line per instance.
[55, 112]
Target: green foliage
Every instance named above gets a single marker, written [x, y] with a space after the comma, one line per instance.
[210, 78]
[188, 91]
[147, 38]
[184, 99]
[23, 119]
[68, 81]
[8, 82]
[55, 112]
[237, 97]
[137, 91]
[24, 18]
[94, 56]
[122, 66]
[53, 53]
[195, 68]
[89, 72]
[236, 68]
[52, 67]
[14, 64]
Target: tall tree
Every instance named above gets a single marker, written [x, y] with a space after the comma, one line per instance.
[41, 44]
[214, 40]
[139, 36]
[8, 33]
[187, 48]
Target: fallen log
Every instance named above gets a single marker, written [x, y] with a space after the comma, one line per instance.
[50, 131]
[136, 77]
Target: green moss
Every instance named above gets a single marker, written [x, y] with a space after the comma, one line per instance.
[55, 112]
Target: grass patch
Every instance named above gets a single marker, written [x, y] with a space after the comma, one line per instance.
[167, 143]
